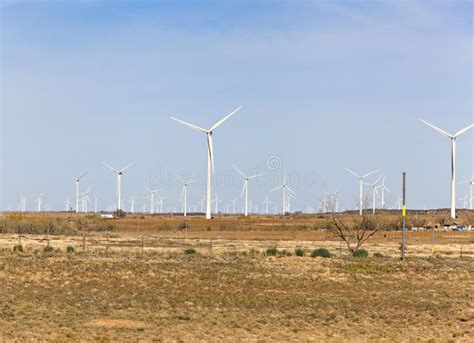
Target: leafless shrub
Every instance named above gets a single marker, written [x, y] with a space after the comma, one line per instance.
[354, 231]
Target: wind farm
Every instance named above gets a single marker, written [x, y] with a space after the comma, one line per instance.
[264, 171]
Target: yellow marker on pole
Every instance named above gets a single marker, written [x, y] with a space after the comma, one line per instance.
[404, 211]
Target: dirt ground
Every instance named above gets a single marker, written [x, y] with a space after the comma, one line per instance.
[129, 285]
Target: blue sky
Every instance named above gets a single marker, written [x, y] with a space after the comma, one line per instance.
[324, 85]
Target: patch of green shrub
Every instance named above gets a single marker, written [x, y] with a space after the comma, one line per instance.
[299, 252]
[285, 253]
[377, 254]
[18, 248]
[273, 251]
[361, 253]
[321, 252]
[48, 249]
[190, 251]
[70, 249]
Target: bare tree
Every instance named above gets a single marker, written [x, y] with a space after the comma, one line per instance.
[354, 232]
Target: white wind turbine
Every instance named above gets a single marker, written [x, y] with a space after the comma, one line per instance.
[361, 186]
[77, 179]
[464, 201]
[216, 202]
[67, 204]
[210, 154]
[96, 198]
[85, 200]
[160, 202]
[453, 160]
[119, 173]
[399, 201]
[285, 190]
[23, 203]
[39, 200]
[471, 190]
[184, 195]
[152, 199]
[245, 188]
[266, 203]
[383, 188]
[375, 192]
[132, 203]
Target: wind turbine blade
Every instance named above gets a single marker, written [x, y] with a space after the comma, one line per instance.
[254, 176]
[110, 167]
[275, 189]
[368, 174]
[243, 190]
[353, 173]
[210, 145]
[291, 191]
[238, 171]
[124, 169]
[378, 179]
[192, 126]
[79, 178]
[460, 132]
[444, 133]
[220, 122]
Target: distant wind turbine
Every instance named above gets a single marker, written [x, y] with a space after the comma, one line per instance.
[77, 179]
[266, 203]
[67, 204]
[383, 188]
[453, 160]
[152, 199]
[23, 203]
[285, 190]
[119, 173]
[245, 188]
[132, 203]
[375, 192]
[210, 154]
[39, 200]
[361, 186]
[471, 191]
[184, 195]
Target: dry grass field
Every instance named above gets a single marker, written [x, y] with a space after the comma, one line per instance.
[131, 280]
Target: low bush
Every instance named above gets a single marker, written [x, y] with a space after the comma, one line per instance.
[299, 252]
[70, 249]
[321, 252]
[285, 253]
[377, 254]
[273, 251]
[48, 249]
[190, 251]
[361, 253]
[18, 248]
